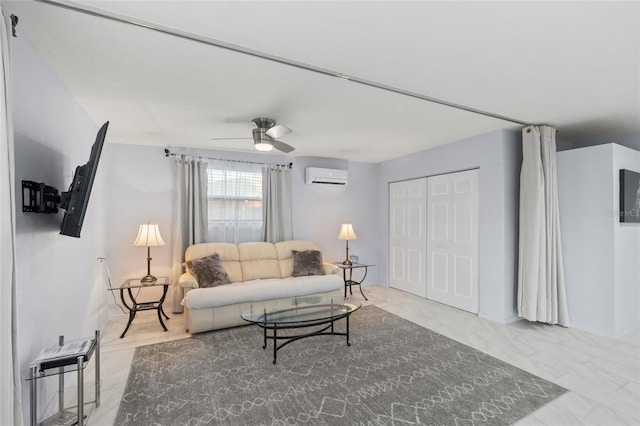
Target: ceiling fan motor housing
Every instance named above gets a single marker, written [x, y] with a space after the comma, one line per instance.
[263, 123]
[260, 135]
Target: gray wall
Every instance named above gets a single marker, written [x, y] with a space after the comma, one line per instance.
[61, 286]
[139, 188]
[600, 253]
[319, 210]
[629, 139]
[498, 156]
[59, 281]
[139, 179]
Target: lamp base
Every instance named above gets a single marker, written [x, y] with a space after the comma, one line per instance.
[347, 262]
[148, 279]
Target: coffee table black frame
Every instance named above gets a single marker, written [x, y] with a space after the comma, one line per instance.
[286, 319]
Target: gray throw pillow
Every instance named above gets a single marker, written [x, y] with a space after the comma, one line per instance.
[209, 271]
[307, 262]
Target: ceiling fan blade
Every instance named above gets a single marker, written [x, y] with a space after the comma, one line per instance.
[281, 146]
[278, 130]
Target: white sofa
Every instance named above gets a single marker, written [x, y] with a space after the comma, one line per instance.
[258, 272]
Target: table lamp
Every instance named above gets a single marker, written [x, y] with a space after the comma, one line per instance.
[148, 236]
[346, 233]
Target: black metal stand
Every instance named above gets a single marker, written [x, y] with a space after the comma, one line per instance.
[351, 282]
[346, 260]
[274, 327]
[148, 278]
[144, 306]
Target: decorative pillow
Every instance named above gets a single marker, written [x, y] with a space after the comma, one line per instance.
[209, 271]
[307, 262]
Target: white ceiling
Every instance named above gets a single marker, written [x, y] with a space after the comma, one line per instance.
[572, 65]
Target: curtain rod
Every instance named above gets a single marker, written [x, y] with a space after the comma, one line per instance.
[100, 13]
[168, 153]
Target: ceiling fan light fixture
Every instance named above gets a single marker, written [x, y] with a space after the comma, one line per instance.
[263, 146]
[261, 141]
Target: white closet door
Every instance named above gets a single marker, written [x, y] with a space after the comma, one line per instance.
[452, 239]
[407, 236]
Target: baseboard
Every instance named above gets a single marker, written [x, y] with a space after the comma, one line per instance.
[624, 332]
[613, 334]
[115, 315]
[505, 321]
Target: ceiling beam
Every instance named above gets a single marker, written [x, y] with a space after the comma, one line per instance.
[100, 13]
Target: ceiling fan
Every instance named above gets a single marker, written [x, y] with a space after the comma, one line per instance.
[265, 132]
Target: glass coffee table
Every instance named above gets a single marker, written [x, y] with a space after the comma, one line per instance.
[301, 312]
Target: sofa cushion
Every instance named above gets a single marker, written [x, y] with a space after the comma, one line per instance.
[208, 270]
[258, 261]
[228, 253]
[285, 258]
[307, 262]
[261, 290]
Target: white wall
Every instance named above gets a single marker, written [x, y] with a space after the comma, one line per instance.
[626, 237]
[498, 156]
[59, 281]
[319, 210]
[139, 187]
[140, 184]
[600, 253]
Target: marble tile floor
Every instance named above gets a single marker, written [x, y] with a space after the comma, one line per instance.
[602, 374]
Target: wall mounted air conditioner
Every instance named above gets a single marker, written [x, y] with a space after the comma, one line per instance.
[317, 175]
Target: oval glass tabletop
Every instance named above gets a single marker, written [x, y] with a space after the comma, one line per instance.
[297, 310]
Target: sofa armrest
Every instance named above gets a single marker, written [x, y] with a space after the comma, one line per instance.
[188, 281]
[330, 268]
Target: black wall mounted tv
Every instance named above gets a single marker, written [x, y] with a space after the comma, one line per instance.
[76, 199]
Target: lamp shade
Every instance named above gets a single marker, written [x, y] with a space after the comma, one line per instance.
[149, 236]
[346, 232]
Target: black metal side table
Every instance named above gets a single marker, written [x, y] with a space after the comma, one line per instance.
[135, 307]
[348, 282]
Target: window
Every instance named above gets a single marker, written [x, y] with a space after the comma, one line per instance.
[235, 202]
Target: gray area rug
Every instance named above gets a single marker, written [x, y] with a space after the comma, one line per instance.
[394, 373]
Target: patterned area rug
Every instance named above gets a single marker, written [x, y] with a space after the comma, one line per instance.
[394, 373]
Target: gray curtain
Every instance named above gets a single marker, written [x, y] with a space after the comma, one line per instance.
[541, 286]
[276, 203]
[10, 385]
[190, 216]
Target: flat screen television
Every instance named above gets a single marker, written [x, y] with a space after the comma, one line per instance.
[76, 200]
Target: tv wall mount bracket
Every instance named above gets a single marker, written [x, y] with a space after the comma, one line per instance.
[38, 197]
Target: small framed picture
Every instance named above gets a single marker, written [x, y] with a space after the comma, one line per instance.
[354, 258]
[629, 196]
